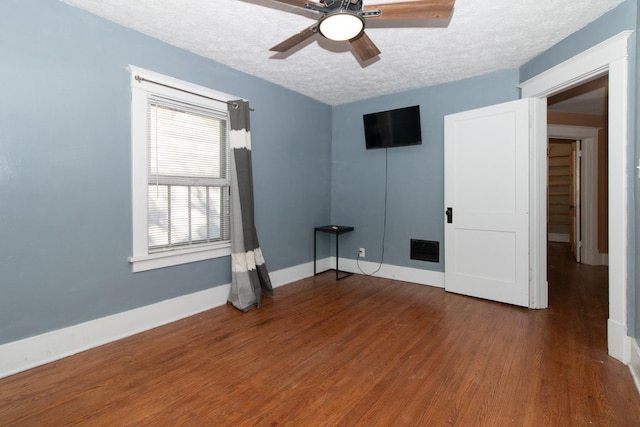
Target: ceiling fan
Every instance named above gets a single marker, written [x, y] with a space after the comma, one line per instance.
[343, 20]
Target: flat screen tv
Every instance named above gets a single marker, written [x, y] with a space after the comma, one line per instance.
[393, 128]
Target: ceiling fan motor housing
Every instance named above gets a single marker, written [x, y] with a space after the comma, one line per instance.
[353, 6]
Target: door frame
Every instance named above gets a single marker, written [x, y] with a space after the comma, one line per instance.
[576, 163]
[612, 57]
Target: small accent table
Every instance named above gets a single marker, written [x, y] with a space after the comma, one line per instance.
[331, 229]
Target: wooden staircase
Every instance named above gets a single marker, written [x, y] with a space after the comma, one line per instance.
[559, 191]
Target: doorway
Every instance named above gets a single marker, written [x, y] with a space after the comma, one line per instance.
[610, 56]
[577, 157]
[577, 179]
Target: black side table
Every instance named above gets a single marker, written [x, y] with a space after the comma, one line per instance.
[331, 229]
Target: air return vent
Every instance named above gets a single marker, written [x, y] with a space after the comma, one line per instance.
[425, 250]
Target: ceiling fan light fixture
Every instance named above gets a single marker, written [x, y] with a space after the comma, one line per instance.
[341, 25]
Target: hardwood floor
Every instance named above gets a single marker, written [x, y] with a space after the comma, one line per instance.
[361, 351]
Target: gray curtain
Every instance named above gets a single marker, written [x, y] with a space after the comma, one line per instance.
[249, 276]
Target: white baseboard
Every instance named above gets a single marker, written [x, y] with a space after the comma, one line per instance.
[30, 352]
[634, 362]
[18, 356]
[617, 341]
[34, 351]
[388, 271]
[295, 273]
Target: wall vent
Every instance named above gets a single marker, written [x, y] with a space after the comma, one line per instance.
[425, 250]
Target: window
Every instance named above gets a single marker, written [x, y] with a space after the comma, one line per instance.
[180, 172]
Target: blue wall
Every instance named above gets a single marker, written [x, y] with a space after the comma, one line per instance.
[623, 17]
[65, 178]
[636, 289]
[415, 201]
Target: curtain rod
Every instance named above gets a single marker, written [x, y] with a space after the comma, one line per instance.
[233, 104]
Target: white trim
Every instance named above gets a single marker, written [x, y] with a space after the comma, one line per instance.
[387, 271]
[538, 160]
[634, 361]
[30, 352]
[141, 259]
[611, 55]
[395, 272]
[617, 340]
[184, 256]
[571, 132]
[298, 272]
[584, 66]
[618, 202]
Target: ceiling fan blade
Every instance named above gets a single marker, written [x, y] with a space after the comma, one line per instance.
[298, 3]
[296, 39]
[364, 47]
[421, 9]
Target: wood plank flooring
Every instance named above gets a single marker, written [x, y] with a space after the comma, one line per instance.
[359, 352]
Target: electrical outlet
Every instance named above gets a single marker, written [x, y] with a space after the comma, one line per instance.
[361, 252]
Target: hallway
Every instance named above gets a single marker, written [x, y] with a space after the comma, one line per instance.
[579, 296]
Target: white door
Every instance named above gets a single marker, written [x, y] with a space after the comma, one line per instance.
[487, 202]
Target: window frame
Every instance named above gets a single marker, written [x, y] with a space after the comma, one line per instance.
[142, 259]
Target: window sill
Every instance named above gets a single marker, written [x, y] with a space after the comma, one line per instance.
[182, 256]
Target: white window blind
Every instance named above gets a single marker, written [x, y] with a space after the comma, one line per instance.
[188, 187]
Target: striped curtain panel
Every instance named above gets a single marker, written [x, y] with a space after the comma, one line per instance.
[249, 276]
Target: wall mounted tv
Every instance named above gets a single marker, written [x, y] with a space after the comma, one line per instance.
[393, 128]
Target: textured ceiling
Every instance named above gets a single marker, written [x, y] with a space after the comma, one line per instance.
[481, 36]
